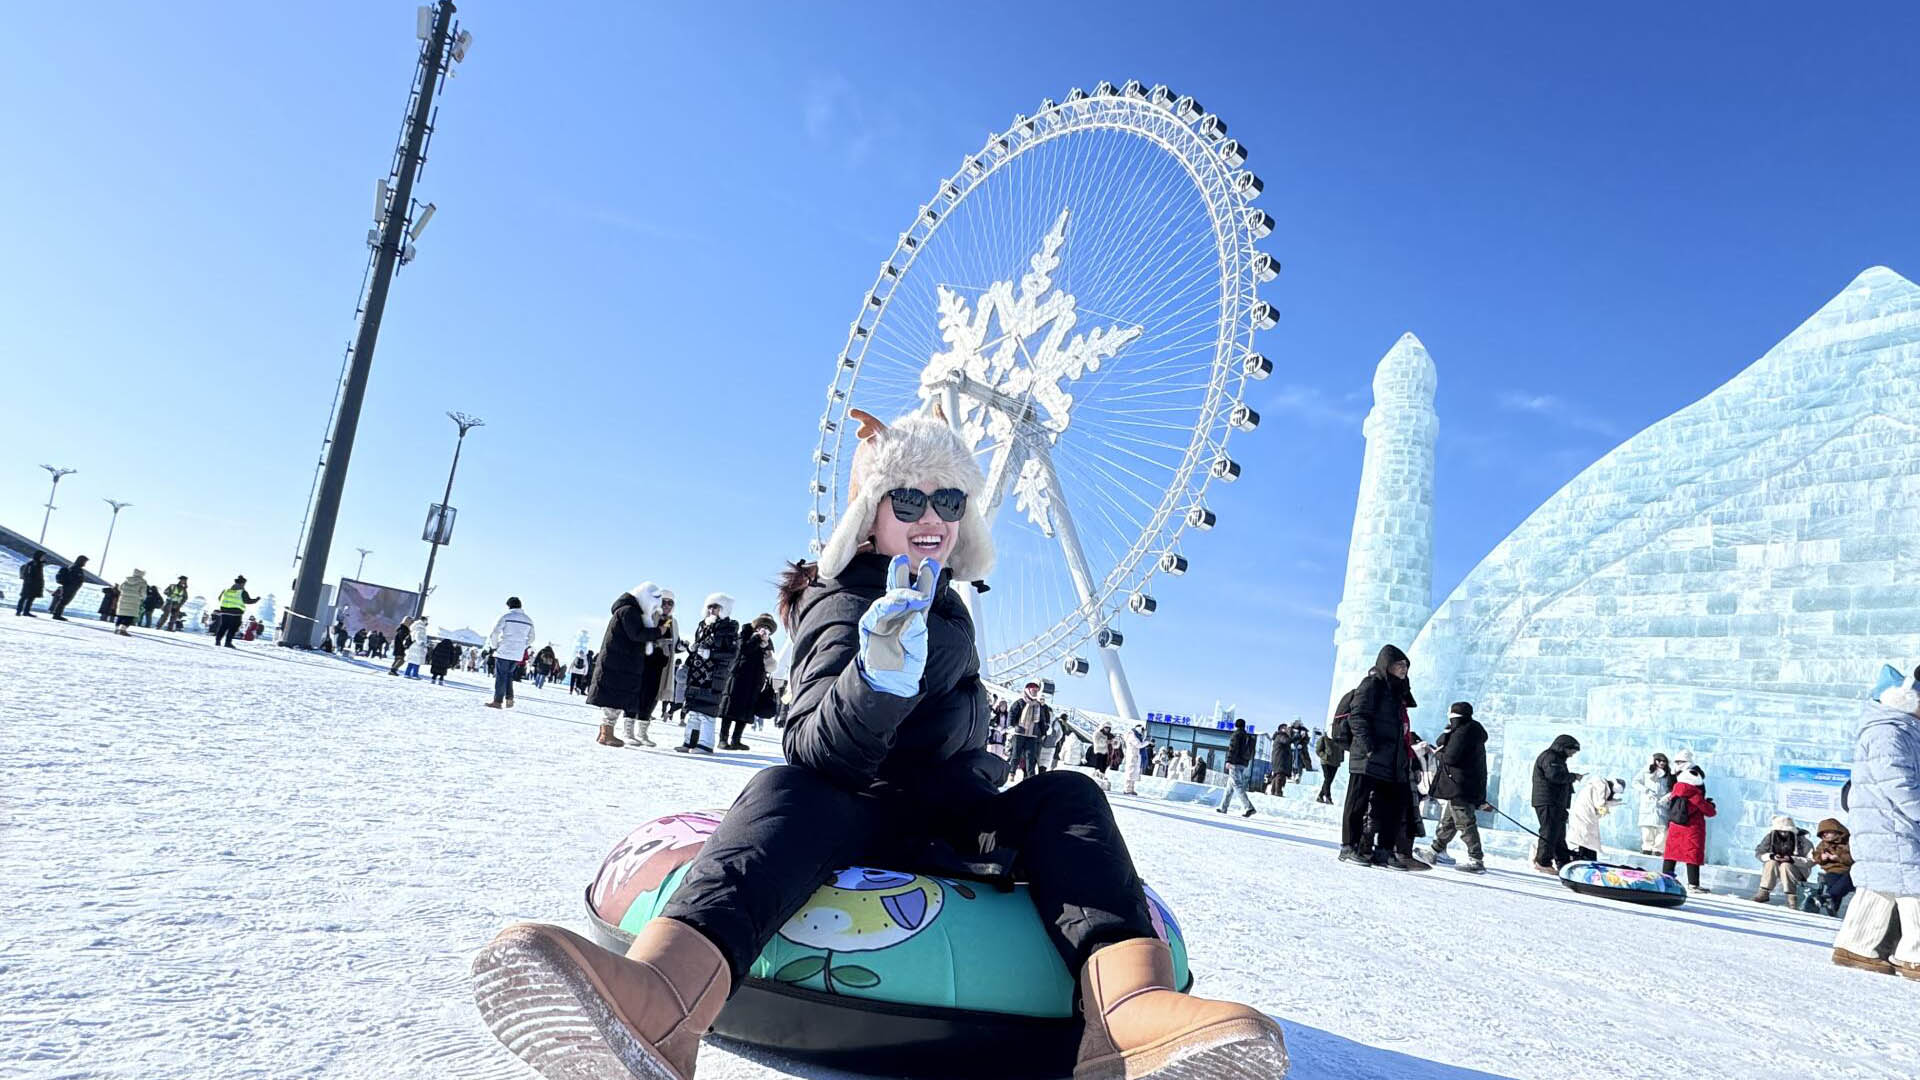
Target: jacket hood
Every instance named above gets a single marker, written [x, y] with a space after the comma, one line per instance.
[1564, 744]
[1832, 825]
[725, 602]
[1388, 656]
[1693, 777]
[919, 451]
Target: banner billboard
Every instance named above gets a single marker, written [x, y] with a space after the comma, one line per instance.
[1809, 793]
[373, 608]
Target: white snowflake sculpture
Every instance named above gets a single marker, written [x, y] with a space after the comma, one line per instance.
[1008, 362]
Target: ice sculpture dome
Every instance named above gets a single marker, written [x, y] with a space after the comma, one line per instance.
[1406, 374]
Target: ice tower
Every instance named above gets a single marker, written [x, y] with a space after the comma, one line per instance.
[1389, 589]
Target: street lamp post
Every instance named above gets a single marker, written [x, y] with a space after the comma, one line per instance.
[57, 474]
[364, 552]
[108, 546]
[466, 424]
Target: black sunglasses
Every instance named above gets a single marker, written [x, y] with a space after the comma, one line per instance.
[910, 503]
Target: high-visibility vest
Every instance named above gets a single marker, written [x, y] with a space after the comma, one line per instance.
[234, 598]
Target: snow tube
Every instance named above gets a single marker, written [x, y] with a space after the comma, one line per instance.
[883, 971]
[1629, 883]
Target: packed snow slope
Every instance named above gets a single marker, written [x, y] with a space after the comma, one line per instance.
[256, 863]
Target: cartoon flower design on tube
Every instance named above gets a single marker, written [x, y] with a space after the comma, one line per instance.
[862, 910]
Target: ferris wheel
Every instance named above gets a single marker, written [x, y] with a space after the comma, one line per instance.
[1079, 300]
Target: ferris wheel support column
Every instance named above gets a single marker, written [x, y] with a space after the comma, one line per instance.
[1082, 574]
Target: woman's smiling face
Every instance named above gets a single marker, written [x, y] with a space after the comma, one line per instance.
[926, 538]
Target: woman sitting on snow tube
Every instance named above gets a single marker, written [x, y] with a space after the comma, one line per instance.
[882, 970]
[886, 739]
[1629, 883]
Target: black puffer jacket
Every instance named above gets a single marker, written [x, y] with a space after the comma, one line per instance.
[1378, 722]
[749, 676]
[1552, 780]
[1462, 775]
[708, 676]
[33, 577]
[626, 672]
[930, 747]
[1240, 748]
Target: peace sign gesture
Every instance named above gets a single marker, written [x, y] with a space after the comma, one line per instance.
[893, 632]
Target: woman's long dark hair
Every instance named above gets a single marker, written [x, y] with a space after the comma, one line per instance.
[798, 576]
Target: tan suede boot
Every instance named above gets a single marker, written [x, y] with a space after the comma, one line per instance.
[1138, 1025]
[607, 738]
[1847, 958]
[575, 1011]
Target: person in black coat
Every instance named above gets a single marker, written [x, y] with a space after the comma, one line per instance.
[749, 679]
[444, 655]
[1239, 756]
[887, 766]
[33, 583]
[1379, 763]
[1460, 778]
[1552, 798]
[402, 638]
[1280, 750]
[716, 644]
[626, 677]
[68, 581]
[109, 603]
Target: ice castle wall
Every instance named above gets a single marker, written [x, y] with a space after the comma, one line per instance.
[1389, 586]
[1728, 580]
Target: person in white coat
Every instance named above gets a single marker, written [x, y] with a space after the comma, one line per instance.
[1137, 750]
[1655, 783]
[511, 640]
[1596, 799]
[1882, 928]
[417, 648]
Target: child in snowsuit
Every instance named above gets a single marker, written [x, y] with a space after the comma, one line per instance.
[886, 755]
[1834, 856]
[1782, 854]
[1688, 809]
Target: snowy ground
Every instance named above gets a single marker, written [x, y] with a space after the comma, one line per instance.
[264, 864]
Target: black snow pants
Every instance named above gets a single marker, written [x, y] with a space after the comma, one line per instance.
[1326, 786]
[1552, 848]
[792, 828]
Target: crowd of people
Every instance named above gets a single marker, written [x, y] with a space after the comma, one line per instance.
[135, 601]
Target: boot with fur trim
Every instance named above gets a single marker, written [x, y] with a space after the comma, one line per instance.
[575, 1011]
[640, 729]
[606, 736]
[1138, 1025]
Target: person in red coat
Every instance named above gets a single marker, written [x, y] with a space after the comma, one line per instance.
[1687, 809]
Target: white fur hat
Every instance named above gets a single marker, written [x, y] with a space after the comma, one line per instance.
[1904, 697]
[918, 451]
[725, 602]
[648, 595]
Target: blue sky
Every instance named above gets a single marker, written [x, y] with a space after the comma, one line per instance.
[655, 222]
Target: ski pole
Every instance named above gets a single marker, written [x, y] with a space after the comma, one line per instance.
[1523, 828]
